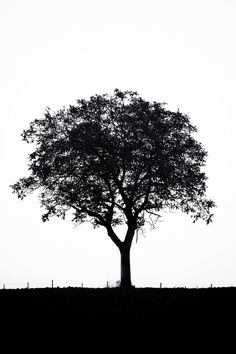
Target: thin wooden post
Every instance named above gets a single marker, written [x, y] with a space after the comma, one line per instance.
[82, 285]
[27, 285]
[160, 285]
[4, 286]
[107, 284]
[52, 283]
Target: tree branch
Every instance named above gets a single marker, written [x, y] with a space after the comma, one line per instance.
[91, 213]
[123, 173]
[102, 222]
[129, 235]
[137, 181]
[113, 236]
[150, 212]
[121, 190]
[145, 199]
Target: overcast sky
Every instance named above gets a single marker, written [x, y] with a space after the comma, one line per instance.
[181, 52]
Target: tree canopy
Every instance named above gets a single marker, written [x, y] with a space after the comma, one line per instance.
[114, 156]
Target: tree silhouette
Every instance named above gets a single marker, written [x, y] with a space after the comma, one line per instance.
[116, 159]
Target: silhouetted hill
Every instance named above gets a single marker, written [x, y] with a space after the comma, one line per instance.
[114, 313]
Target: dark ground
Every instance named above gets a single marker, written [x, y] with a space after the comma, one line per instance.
[75, 313]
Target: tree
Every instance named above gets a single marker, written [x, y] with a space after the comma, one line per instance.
[116, 159]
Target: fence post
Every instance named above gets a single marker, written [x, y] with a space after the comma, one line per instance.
[27, 285]
[160, 285]
[4, 286]
[52, 283]
[82, 285]
[107, 284]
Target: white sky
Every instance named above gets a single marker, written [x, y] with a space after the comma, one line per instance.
[183, 52]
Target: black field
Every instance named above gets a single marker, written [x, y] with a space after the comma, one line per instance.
[76, 313]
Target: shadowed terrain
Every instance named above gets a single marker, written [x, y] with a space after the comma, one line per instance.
[75, 312]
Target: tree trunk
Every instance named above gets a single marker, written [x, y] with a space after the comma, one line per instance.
[125, 267]
[124, 247]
